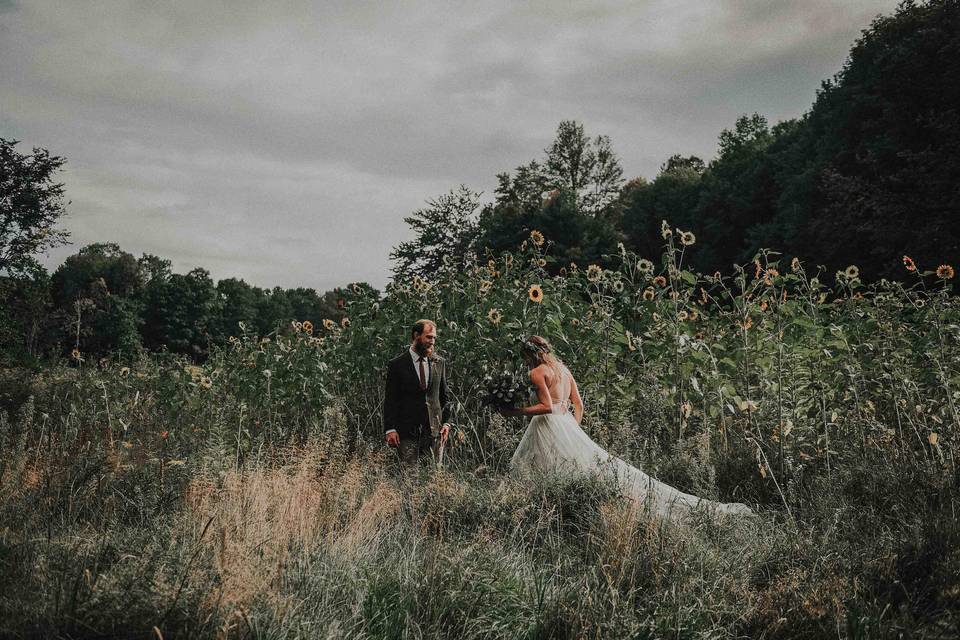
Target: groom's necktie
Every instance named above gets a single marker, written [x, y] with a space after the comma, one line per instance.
[423, 376]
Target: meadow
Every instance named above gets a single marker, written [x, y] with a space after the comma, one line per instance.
[252, 495]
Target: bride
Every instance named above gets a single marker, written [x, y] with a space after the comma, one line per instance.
[554, 441]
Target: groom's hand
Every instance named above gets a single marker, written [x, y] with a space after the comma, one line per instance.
[393, 439]
[444, 432]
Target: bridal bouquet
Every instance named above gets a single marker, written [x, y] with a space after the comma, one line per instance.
[502, 389]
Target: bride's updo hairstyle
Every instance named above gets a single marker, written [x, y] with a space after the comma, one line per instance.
[537, 349]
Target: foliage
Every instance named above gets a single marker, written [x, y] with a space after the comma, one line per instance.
[31, 203]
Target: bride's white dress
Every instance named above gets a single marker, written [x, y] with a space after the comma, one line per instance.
[555, 443]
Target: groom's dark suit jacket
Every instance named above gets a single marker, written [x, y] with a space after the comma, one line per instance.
[405, 403]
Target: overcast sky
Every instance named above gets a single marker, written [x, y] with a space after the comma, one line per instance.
[284, 141]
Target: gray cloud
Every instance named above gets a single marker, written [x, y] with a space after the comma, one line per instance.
[284, 142]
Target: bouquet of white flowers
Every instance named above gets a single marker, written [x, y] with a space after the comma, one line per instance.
[502, 389]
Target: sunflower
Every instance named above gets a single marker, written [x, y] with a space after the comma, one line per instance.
[852, 271]
[494, 316]
[648, 294]
[909, 263]
[769, 275]
[75, 354]
[618, 285]
[683, 315]
[536, 238]
[345, 323]
[535, 293]
[645, 266]
[541, 263]
[356, 287]
[563, 272]
[594, 273]
[945, 272]
[795, 265]
[573, 267]
[124, 372]
[703, 296]
[307, 326]
[206, 382]
[485, 286]
[575, 322]
[687, 238]
[328, 324]
[665, 230]
[660, 281]
[747, 323]
[492, 266]
[297, 326]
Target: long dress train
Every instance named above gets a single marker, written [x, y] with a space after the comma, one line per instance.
[555, 443]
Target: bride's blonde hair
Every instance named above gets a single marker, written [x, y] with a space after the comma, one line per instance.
[538, 350]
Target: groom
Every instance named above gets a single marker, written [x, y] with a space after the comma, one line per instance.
[415, 410]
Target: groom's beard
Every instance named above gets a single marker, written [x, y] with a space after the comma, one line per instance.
[423, 351]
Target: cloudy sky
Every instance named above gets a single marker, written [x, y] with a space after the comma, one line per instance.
[284, 141]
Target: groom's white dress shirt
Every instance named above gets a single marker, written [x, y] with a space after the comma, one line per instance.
[416, 365]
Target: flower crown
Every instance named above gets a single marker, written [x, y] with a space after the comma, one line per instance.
[529, 345]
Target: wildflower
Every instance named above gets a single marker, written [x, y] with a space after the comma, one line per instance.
[164, 435]
[945, 272]
[124, 372]
[575, 322]
[648, 294]
[683, 315]
[536, 238]
[573, 267]
[75, 354]
[746, 323]
[494, 316]
[769, 275]
[563, 272]
[665, 230]
[655, 316]
[316, 342]
[206, 382]
[795, 265]
[686, 409]
[909, 263]
[328, 324]
[535, 293]
[594, 273]
[491, 265]
[618, 285]
[356, 287]
[345, 322]
[485, 286]
[852, 271]
[694, 315]
[645, 266]
[297, 326]
[660, 281]
[541, 263]
[308, 326]
[687, 238]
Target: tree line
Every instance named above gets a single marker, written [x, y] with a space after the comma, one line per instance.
[870, 173]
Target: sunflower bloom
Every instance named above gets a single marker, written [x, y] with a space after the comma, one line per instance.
[494, 316]
[687, 238]
[909, 263]
[795, 265]
[537, 238]
[485, 286]
[618, 285]
[345, 323]
[541, 263]
[308, 326]
[648, 294]
[660, 281]
[945, 272]
[75, 354]
[594, 273]
[665, 230]
[328, 324]
[206, 382]
[683, 315]
[769, 275]
[747, 323]
[536, 293]
[645, 266]
[852, 271]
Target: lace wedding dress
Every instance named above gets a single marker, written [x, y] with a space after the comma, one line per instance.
[555, 443]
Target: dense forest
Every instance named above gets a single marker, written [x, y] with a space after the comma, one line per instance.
[870, 173]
